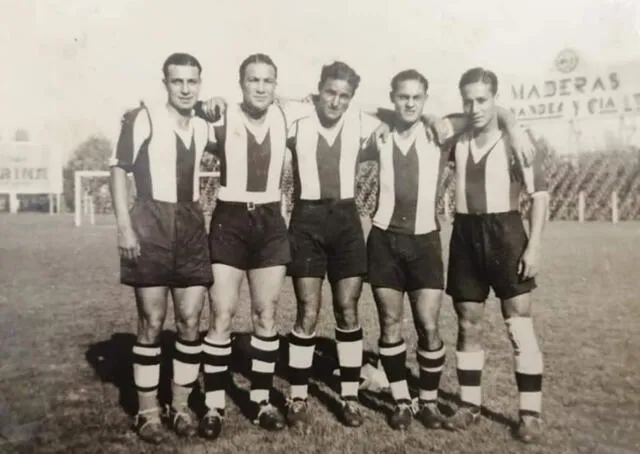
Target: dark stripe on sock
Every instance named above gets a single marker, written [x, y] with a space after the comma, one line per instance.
[216, 381]
[469, 377]
[261, 380]
[299, 376]
[187, 358]
[430, 363]
[349, 374]
[143, 360]
[429, 381]
[146, 389]
[529, 383]
[395, 366]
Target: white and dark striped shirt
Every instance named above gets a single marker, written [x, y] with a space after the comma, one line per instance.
[251, 156]
[164, 159]
[410, 170]
[325, 159]
[491, 179]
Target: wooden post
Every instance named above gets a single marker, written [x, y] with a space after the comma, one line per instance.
[581, 207]
[77, 197]
[614, 207]
[51, 202]
[92, 210]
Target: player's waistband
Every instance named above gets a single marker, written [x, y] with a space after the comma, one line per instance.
[167, 202]
[501, 214]
[319, 202]
[249, 206]
[257, 198]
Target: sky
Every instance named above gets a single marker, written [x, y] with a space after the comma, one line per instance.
[71, 67]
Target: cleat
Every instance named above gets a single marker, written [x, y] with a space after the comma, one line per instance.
[297, 414]
[463, 418]
[211, 424]
[148, 425]
[181, 422]
[402, 415]
[269, 417]
[529, 429]
[350, 412]
[430, 416]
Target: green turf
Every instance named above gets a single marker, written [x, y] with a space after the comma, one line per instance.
[66, 325]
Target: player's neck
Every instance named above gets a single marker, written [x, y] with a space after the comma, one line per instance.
[254, 116]
[181, 117]
[404, 129]
[325, 122]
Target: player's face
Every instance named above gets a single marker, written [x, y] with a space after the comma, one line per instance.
[259, 86]
[408, 99]
[334, 98]
[479, 104]
[183, 86]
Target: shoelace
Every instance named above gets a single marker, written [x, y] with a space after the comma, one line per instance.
[296, 404]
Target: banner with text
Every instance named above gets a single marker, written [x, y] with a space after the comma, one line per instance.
[29, 168]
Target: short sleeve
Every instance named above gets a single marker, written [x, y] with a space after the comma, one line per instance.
[135, 129]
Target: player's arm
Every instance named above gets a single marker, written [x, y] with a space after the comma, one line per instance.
[537, 186]
[135, 127]
[372, 131]
[212, 109]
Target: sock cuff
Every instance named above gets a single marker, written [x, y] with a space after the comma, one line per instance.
[353, 335]
[266, 344]
[191, 348]
[302, 340]
[146, 351]
[212, 343]
[273, 338]
[392, 349]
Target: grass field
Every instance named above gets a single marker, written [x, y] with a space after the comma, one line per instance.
[66, 329]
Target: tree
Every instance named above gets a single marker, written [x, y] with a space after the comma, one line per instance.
[92, 154]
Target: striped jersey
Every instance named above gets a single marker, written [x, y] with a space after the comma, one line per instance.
[164, 160]
[409, 174]
[491, 179]
[325, 159]
[251, 156]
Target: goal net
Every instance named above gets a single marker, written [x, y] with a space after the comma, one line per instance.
[92, 198]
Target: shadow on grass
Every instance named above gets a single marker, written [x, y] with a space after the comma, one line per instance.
[112, 361]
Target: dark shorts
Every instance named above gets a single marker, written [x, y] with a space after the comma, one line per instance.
[326, 237]
[405, 262]
[248, 237]
[484, 253]
[173, 246]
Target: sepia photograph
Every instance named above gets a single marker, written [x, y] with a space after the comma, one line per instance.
[356, 226]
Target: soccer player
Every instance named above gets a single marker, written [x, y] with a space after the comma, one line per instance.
[162, 240]
[404, 251]
[247, 236]
[326, 236]
[490, 249]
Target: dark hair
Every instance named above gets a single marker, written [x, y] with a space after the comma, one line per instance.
[479, 75]
[256, 58]
[180, 59]
[408, 74]
[341, 71]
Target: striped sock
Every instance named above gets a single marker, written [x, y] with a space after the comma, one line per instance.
[146, 374]
[469, 369]
[393, 357]
[186, 366]
[349, 345]
[264, 354]
[216, 359]
[431, 364]
[528, 364]
[301, 350]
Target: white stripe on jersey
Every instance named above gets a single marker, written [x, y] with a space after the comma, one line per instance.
[236, 159]
[429, 161]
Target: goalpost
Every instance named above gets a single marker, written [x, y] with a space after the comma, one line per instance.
[92, 198]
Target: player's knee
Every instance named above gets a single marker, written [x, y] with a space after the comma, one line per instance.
[264, 320]
[469, 333]
[149, 327]
[347, 319]
[187, 326]
[522, 335]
